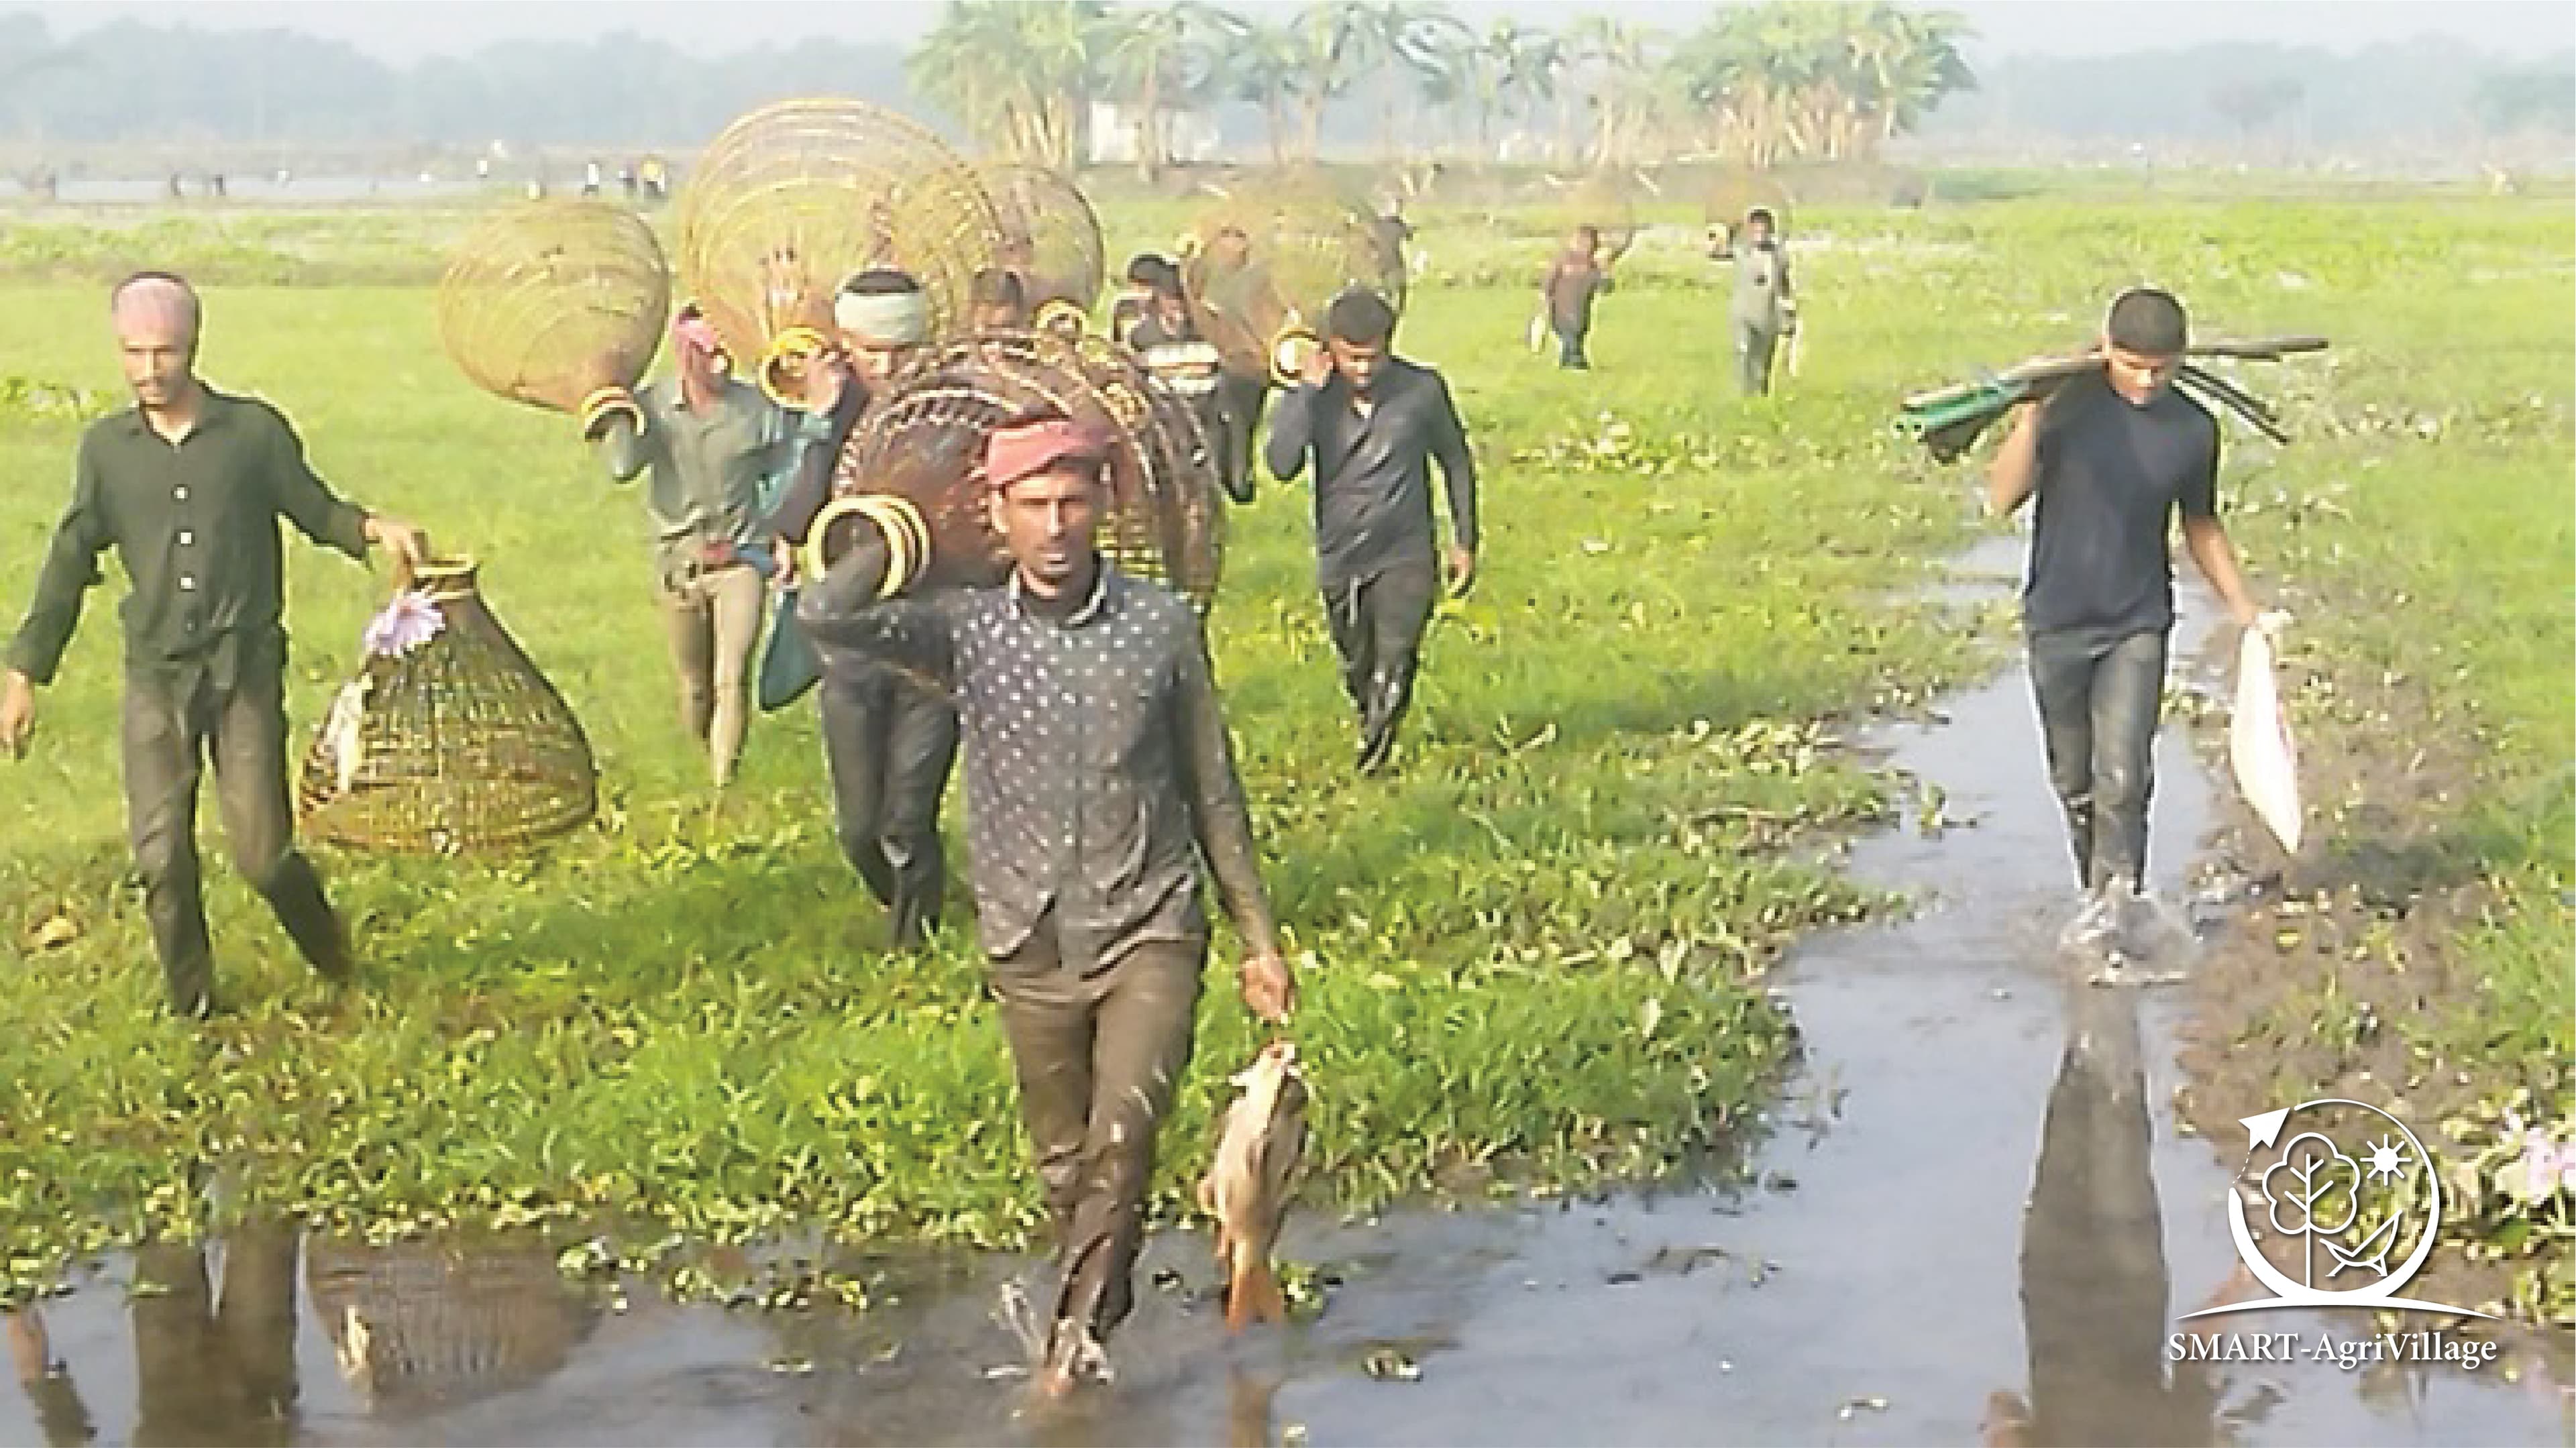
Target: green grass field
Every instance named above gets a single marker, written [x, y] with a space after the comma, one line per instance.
[1538, 947]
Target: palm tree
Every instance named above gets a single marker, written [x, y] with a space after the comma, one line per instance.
[1159, 55]
[1401, 40]
[1019, 75]
[1262, 66]
[1622, 57]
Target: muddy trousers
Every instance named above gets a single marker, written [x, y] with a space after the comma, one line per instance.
[171, 727]
[1755, 345]
[889, 746]
[2099, 698]
[1099, 1060]
[1377, 626]
[714, 623]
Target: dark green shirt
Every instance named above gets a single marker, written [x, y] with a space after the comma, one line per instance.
[195, 526]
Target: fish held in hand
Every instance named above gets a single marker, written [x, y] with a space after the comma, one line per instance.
[1260, 1155]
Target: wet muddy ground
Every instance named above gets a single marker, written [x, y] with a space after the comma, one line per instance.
[1973, 1219]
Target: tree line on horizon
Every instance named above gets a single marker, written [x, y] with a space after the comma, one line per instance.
[1752, 85]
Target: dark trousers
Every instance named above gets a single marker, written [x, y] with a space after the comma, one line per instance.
[172, 727]
[1754, 346]
[1232, 464]
[1098, 1060]
[1377, 626]
[2099, 699]
[1239, 402]
[1569, 345]
[889, 745]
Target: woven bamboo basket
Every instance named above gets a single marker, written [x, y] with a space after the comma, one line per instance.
[1263, 265]
[418, 1327]
[556, 304]
[450, 742]
[924, 442]
[794, 198]
[1051, 237]
[1607, 202]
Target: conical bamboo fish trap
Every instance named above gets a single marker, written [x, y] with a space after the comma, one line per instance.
[924, 442]
[556, 304]
[418, 1327]
[449, 739]
[794, 198]
[1050, 236]
[1607, 202]
[1263, 266]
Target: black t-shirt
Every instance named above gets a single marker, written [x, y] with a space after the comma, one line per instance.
[2110, 475]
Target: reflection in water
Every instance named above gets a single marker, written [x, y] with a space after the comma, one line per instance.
[420, 1326]
[59, 1410]
[415, 1328]
[212, 1369]
[2093, 1280]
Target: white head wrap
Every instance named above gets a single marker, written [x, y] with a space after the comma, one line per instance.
[888, 319]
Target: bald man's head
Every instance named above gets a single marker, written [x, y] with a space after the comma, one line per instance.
[157, 318]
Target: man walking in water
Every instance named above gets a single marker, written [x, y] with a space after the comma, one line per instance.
[1098, 779]
[2113, 457]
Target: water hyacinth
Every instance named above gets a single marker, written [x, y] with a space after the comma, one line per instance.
[406, 623]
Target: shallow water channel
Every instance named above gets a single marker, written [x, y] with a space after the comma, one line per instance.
[1972, 1209]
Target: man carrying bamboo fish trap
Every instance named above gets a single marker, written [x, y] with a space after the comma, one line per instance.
[2113, 448]
[1098, 778]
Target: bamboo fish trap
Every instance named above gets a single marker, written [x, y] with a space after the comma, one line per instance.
[1051, 239]
[924, 443]
[796, 197]
[449, 739]
[1263, 266]
[556, 304]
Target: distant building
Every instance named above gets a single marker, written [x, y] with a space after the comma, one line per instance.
[1118, 135]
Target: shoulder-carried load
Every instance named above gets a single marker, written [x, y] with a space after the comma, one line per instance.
[912, 471]
[795, 198]
[557, 304]
[1950, 419]
[1263, 265]
[1050, 239]
[449, 739]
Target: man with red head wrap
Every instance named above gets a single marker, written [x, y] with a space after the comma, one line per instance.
[188, 486]
[1098, 779]
[714, 445]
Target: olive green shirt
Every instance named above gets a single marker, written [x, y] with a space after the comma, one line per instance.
[710, 469]
[194, 523]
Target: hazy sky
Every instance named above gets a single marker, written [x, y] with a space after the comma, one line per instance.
[403, 30]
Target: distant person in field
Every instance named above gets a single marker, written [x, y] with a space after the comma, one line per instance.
[1135, 299]
[2113, 457]
[1373, 424]
[715, 447]
[1574, 281]
[1167, 339]
[1764, 307]
[889, 743]
[188, 486]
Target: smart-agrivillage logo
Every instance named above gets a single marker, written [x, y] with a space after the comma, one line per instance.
[2349, 1192]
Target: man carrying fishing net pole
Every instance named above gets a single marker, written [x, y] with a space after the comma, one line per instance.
[2112, 455]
